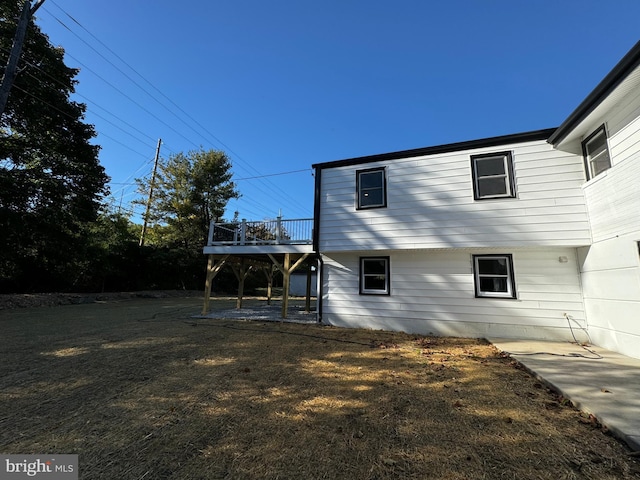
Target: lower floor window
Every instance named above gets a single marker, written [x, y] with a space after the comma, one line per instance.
[374, 276]
[493, 276]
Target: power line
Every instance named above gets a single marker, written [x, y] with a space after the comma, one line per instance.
[132, 100]
[44, 102]
[251, 178]
[116, 88]
[91, 102]
[138, 74]
[272, 175]
[122, 72]
[43, 72]
[17, 87]
[259, 175]
[271, 191]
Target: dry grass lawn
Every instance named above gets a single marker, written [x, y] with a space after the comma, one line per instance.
[140, 390]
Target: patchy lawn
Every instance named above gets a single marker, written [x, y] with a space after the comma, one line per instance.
[140, 390]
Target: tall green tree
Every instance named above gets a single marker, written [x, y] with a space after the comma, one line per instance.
[51, 182]
[114, 261]
[190, 191]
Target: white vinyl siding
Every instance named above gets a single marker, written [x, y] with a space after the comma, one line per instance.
[431, 204]
[611, 267]
[613, 199]
[433, 292]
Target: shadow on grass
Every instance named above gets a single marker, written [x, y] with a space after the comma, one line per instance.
[139, 389]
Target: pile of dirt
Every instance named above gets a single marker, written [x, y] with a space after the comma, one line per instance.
[25, 300]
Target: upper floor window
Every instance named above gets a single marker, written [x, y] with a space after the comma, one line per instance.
[493, 276]
[493, 175]
[371, 188]
[374, 276]
[596, 152]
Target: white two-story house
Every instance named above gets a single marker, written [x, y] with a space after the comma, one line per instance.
[530, 235]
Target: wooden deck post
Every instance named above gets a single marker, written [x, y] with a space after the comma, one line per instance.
[212, 270]
[286, 270]
[243, 231]
[286, 274]
[268, 272]
[240, 274]
[278, 229]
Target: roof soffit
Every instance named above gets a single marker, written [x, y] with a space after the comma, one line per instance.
[629, 87]
[620, 82]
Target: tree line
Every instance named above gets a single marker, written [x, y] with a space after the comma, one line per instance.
[57, 230]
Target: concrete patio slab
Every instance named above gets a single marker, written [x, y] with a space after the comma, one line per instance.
[600, 382]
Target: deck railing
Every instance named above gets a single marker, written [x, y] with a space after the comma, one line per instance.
[266, 232]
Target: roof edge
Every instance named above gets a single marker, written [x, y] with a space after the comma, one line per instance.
[623, 68]
[446, 148]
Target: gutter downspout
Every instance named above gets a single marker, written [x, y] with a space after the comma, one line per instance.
[316, 240]
[319, 291]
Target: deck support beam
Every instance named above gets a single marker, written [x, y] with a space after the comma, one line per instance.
[286, 268]
[286, 280]
[213, 269]
[268, 272]
[241, 272]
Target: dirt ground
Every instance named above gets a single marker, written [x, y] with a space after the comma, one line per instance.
[141, 389]
[24, 300]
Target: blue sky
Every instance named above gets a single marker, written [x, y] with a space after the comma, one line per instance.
[281, 85]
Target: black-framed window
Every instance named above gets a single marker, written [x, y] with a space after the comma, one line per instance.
[493, 276]
[493, 175]
[375, 276]
[596, 152]
[371, 188]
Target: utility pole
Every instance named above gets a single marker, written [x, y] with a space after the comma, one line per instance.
[153, 181]
[18, 40]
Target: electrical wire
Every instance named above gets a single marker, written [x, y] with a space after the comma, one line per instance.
[283, 194]
[44, 102]
[135, 102]
[595, 355]
[90, 102]
[240, 163]
[132, 127]
[17, 87]
[272, 175]
[130, 68]
[253, 178]
[569, 320]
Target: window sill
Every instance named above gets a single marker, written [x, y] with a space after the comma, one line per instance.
[597, 178]
[497, 297]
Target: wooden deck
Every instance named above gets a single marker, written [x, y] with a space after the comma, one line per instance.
[268, 245]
